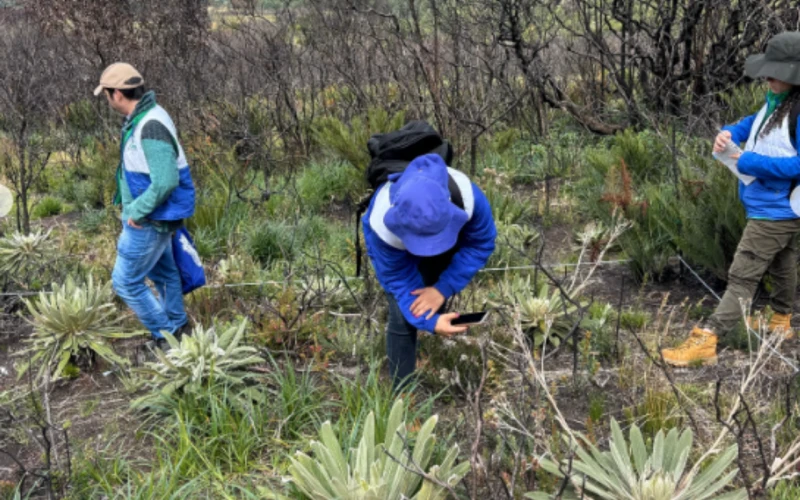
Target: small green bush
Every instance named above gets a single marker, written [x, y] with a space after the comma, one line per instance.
[321, 184]
[92, 221]
[271, 241]
[82, 192]
[300, 402]
[785, 490]
[706, 219]
[47, 207]
[634, 319]
[349, 141]
[215, 226]
[507, 207]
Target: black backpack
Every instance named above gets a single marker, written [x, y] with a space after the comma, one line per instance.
[391, 153]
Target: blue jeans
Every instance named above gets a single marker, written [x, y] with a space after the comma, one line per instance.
[147, 253]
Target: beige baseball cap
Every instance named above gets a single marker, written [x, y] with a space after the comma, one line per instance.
[119, 76]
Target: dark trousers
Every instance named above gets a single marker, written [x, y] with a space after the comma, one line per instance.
[401, 345]
[401, 336]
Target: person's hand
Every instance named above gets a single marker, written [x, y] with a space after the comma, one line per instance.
[133, 224]
[445, 328]
[722, 140]
[735, 156]
[428, 300]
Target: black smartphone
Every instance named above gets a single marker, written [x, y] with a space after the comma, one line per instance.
[470, 319]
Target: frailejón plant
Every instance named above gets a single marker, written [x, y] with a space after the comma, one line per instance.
[202, 356]
[631, 471]
[374, 470]
[23, 253]
[72, 320]
[542, 312]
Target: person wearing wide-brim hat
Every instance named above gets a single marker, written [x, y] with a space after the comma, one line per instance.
[425, 248]
[771, 202]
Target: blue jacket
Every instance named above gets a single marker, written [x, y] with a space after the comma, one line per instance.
[397, 269]
[768, 196]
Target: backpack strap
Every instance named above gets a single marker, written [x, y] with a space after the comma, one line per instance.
[455, 192]
[361, 208]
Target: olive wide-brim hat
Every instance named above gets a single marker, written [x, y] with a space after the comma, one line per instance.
[780, 61]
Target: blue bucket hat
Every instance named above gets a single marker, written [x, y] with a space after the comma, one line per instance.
[422, 214]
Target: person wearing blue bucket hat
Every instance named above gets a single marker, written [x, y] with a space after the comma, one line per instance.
[425, 248]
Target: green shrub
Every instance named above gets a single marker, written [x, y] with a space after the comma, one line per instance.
[634, 319]
[271, 241]
[82, 192]
[744, 100]
[299, 402]
[516, 245]
[72, 321]
[632, 177]
[526, 163]
[47, 207]
[507, 207]
[320, 184]
[349, 142]
[207, 448]
[706, 220]
[87, 180]
[376, 469]
[503, 140]
[364, 394]
[785, 490]
[92, 221]
[635, 471]
[599, 327]
[216, 223]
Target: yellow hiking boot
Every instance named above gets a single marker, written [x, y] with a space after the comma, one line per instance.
[778, 323]
[699, 349]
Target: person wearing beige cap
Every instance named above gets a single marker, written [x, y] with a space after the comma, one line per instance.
[155, 189]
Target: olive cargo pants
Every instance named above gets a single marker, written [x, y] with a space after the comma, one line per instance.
[766, 246]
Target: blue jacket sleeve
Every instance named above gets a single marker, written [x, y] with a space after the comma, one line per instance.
[475, 246]
[768, 167]
[740, 131]
[397, 273]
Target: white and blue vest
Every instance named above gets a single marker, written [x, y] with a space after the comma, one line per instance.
[381, 205]
[180, 204]
[777, 196]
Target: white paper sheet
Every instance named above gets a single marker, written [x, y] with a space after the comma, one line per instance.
[724, 157]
